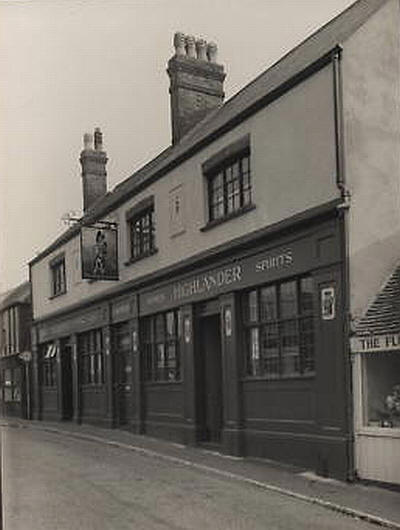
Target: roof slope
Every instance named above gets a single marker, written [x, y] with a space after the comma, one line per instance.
[383, 315]
[236, 109]
[20, 295]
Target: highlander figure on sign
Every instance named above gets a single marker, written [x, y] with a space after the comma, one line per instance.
[100, 254]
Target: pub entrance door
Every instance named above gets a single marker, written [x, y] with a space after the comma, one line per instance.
[66, 380]
[122, 373]
[209, 379]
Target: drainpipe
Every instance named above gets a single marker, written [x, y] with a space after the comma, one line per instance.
[343, 213]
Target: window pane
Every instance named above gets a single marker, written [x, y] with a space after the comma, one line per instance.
[270, 349]
[290, 347]
[170, 324]
[254, 357]
[306, 296]
[268, 304]
[288, 301]
[252, 307]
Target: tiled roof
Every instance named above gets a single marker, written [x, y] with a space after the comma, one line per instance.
[20, 295]
[383, 315]
[237, 108]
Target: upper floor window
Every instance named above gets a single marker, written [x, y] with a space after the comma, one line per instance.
[229, 181]
[141, 227]
[58, 280]
[279, 323]
[229, 189]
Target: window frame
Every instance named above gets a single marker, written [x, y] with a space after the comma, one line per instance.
[300, 326]
[144, 214]
[234, 194]
[91, 358]
[48, 366]
[156, 339]
[58, 282]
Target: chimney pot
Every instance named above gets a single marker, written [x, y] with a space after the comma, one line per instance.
[87, 142]
[179, 43]
[212, 50]
[201, 48]
[190, 46]
[98, 139]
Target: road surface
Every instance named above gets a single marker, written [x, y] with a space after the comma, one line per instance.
[55, 482]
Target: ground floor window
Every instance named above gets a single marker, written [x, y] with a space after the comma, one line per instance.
[381, 387]
[48, 365]
[11, 384]
[160, 338]
[279, 329]
[91, 357]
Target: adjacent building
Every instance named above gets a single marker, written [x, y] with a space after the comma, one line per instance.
[248, 253]
[15, 351]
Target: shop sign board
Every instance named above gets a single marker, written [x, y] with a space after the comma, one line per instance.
[99, 253]
[375, 343]
[241, 273]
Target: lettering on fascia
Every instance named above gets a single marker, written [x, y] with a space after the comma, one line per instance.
[207, 282]
[275, 262]
[376, 343]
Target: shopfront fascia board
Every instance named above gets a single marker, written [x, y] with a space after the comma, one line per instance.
[388, 342]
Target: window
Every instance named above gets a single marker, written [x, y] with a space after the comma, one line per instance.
[160, 336]
[381, 388]
[49, 365]
[91, 359]
[279, 324]
[12, 385]
[141, 230]
[9, 331]
[58, 283]
[229, 188]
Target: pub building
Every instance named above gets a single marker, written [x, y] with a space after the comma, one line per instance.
[209, 298]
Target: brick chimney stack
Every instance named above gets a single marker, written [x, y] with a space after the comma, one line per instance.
[94, 177]
[196, 83]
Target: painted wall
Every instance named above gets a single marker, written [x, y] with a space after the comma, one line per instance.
[372, 138]
[293, 169]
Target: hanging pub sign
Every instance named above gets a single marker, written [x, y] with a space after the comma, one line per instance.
[99, 252]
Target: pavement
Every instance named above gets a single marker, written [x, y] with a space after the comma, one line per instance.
[369, 502]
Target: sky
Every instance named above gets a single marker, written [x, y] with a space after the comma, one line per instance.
[68, 66]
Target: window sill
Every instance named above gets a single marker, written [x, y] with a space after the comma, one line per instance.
[142, 256]
[57, 295]
[233, 215]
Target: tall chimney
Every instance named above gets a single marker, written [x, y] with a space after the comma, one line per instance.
[94, 177]
[196, 83]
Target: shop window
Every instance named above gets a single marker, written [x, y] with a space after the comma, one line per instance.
[58, 280]
[91, 358]
[49, 365]
[12, 385]
[142, 234]
[160, 338]
[229, 188]
[381, 386]
[279, 324]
